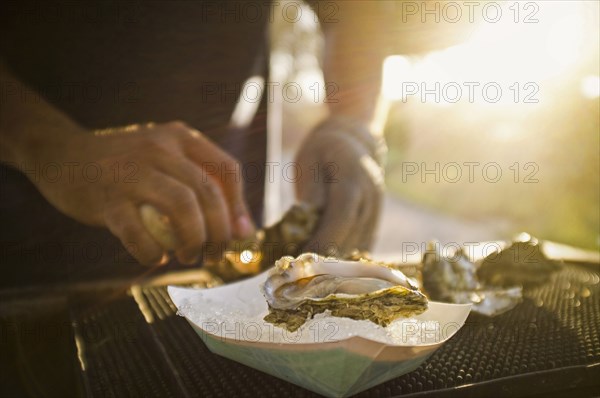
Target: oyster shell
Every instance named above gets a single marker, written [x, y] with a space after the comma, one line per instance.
[522, 263]
[253, 255]
[296, 289]
[442, 277]
[248, 256]
[454, 280]
[414, 272]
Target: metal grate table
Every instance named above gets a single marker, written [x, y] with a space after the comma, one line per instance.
[548, 345]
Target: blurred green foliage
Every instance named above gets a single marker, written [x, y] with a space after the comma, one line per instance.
[557, 140]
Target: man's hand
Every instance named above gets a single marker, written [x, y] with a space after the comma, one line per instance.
[348, 184]
[341, 176]
[107, 176]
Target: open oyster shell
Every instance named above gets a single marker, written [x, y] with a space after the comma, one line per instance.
[454, 279]
[299, 288]
[523, 263]
[253, 255]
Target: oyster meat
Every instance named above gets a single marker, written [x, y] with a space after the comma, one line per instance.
[296, 289]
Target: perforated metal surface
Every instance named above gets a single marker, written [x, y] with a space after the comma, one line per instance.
[548, 343]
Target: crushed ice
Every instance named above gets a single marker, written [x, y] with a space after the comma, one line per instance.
[227, 321]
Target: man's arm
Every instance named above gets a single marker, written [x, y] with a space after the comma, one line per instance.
[160, 165]
[27, 122]
[356, 43]
[349, 183]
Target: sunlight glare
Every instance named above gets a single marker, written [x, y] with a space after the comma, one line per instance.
[590, 86]
[505, 52]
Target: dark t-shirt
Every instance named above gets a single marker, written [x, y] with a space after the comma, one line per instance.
[109, 64]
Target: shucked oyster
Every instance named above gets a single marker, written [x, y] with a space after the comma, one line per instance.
[299, 288]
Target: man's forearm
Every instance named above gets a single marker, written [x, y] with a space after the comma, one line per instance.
[356, 45]
[28, 123]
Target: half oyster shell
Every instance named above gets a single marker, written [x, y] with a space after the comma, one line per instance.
[523, 263]
[296, 289]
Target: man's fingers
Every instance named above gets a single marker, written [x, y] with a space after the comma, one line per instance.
[338, 220]
[362, 237]
[368, 217]
[376, 199]
[209, 194]
[353, 240]
[228, 173]
[216, 215]
[340, 204]
[124, 221]
[310, 187]
[179, 203]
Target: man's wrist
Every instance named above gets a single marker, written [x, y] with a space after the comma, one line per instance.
[357, 130]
